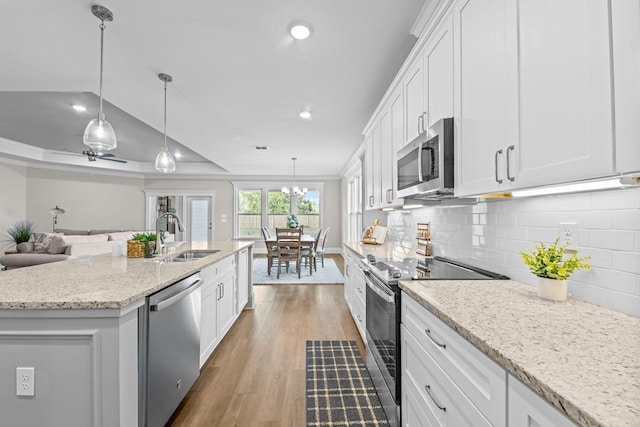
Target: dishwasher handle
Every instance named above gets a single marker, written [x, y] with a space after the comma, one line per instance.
[161, 305]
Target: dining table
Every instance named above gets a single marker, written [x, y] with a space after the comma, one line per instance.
[306, 241]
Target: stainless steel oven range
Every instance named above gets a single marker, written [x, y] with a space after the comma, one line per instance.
[383, 316]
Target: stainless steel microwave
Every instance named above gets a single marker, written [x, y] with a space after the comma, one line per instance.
[425, 165]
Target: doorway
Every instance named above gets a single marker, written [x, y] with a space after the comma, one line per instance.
[199, 219]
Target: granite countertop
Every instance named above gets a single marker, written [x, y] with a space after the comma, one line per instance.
[101, 281]
[582, 358]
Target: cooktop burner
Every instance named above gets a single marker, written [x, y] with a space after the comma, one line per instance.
[438, 268]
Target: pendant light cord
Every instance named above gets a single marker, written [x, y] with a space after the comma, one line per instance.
[165, 116]
[102, 27]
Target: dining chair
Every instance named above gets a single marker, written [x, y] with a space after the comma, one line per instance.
[288, 247]
[308, 253]
[272, 251]
[320, 247]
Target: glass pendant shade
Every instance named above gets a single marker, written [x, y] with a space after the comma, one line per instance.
[99, 135]
[165, 162]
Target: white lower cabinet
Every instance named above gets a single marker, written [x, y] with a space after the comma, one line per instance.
[355, 291]
[449, 372]
[441, 400]
[446, 381]
[527, 409]
[218, 311]
[242, 282]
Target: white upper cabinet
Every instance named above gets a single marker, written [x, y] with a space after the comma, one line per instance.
[533, 98]
[566, 129]
[368, 172]
[438, 66]
[413, 83]
[485, 93]
[626, 69]
[373, 180]
[392, 138]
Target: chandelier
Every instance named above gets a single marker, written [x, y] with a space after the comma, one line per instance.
[295, 190]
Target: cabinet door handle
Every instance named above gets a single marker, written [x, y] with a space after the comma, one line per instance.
[427, 388]
[428, 332]
[511, 178]
[370, 201]
[425, 122]
[498, 153]
[420, 124]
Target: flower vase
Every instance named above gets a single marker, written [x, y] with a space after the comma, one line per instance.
[551, 289]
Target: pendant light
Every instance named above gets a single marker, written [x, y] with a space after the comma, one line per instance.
[99, 134]
[165, 162]
[295, 190]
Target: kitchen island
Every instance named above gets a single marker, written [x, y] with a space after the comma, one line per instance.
[581, 358]
[76, 323]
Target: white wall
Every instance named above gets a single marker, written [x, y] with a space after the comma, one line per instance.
[490, 235]
[91, 201]
[13, 199]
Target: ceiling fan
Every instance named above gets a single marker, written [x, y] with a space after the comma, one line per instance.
[91, 155]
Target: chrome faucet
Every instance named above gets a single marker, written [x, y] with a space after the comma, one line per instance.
[159, 239]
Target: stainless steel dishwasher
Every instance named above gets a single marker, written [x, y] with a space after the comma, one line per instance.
[169, 349]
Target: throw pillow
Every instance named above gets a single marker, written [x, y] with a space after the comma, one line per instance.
[42, 242]
[58, 245]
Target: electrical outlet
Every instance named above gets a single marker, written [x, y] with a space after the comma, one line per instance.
[569, 235]
[25, 381]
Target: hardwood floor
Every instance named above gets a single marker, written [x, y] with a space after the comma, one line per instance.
[256, 376]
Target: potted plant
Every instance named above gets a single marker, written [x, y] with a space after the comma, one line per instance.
[148, 241]
[292, 221]
[20, 232]
[553, 268]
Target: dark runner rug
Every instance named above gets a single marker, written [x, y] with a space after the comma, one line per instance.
[339, 389]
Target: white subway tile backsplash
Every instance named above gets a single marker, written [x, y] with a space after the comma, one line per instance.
[626, 261]
[602, 258]
[615, 199]
[624, 303]
[626, 220]
[491, 234]
[545, 235]
[612, 239]
[594, 219]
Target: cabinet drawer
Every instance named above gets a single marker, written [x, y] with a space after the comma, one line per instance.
[527, 409]
[482, 380]
[359, 288]
[359, 316]
[219, 269]
[440, 399]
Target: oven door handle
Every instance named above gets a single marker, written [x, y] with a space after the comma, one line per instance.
[381, 292]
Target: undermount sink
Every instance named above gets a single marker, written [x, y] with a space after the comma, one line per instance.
[191, 255]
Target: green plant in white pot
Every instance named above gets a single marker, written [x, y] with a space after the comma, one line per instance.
[553, 268]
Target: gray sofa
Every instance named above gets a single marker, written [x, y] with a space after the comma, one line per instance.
[64, 244]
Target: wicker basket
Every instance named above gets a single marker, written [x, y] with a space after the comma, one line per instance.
[135, 249]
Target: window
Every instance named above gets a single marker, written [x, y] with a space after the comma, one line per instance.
[259, 205]
[309, 211]
[278, 208]
[249, 213]
[354, 210]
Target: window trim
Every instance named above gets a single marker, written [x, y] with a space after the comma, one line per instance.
[265, 188]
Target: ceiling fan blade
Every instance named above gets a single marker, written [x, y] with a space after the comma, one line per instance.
[112, 159]
[66, 152]
[104, 155]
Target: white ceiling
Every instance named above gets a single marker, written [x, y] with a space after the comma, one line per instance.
[239, 79]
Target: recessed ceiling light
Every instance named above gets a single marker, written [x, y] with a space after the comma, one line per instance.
[177, 155]
[300, 31]
[261, 147]
[305, 114]
[79, 108]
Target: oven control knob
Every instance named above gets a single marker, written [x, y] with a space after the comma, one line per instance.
[395, 273]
